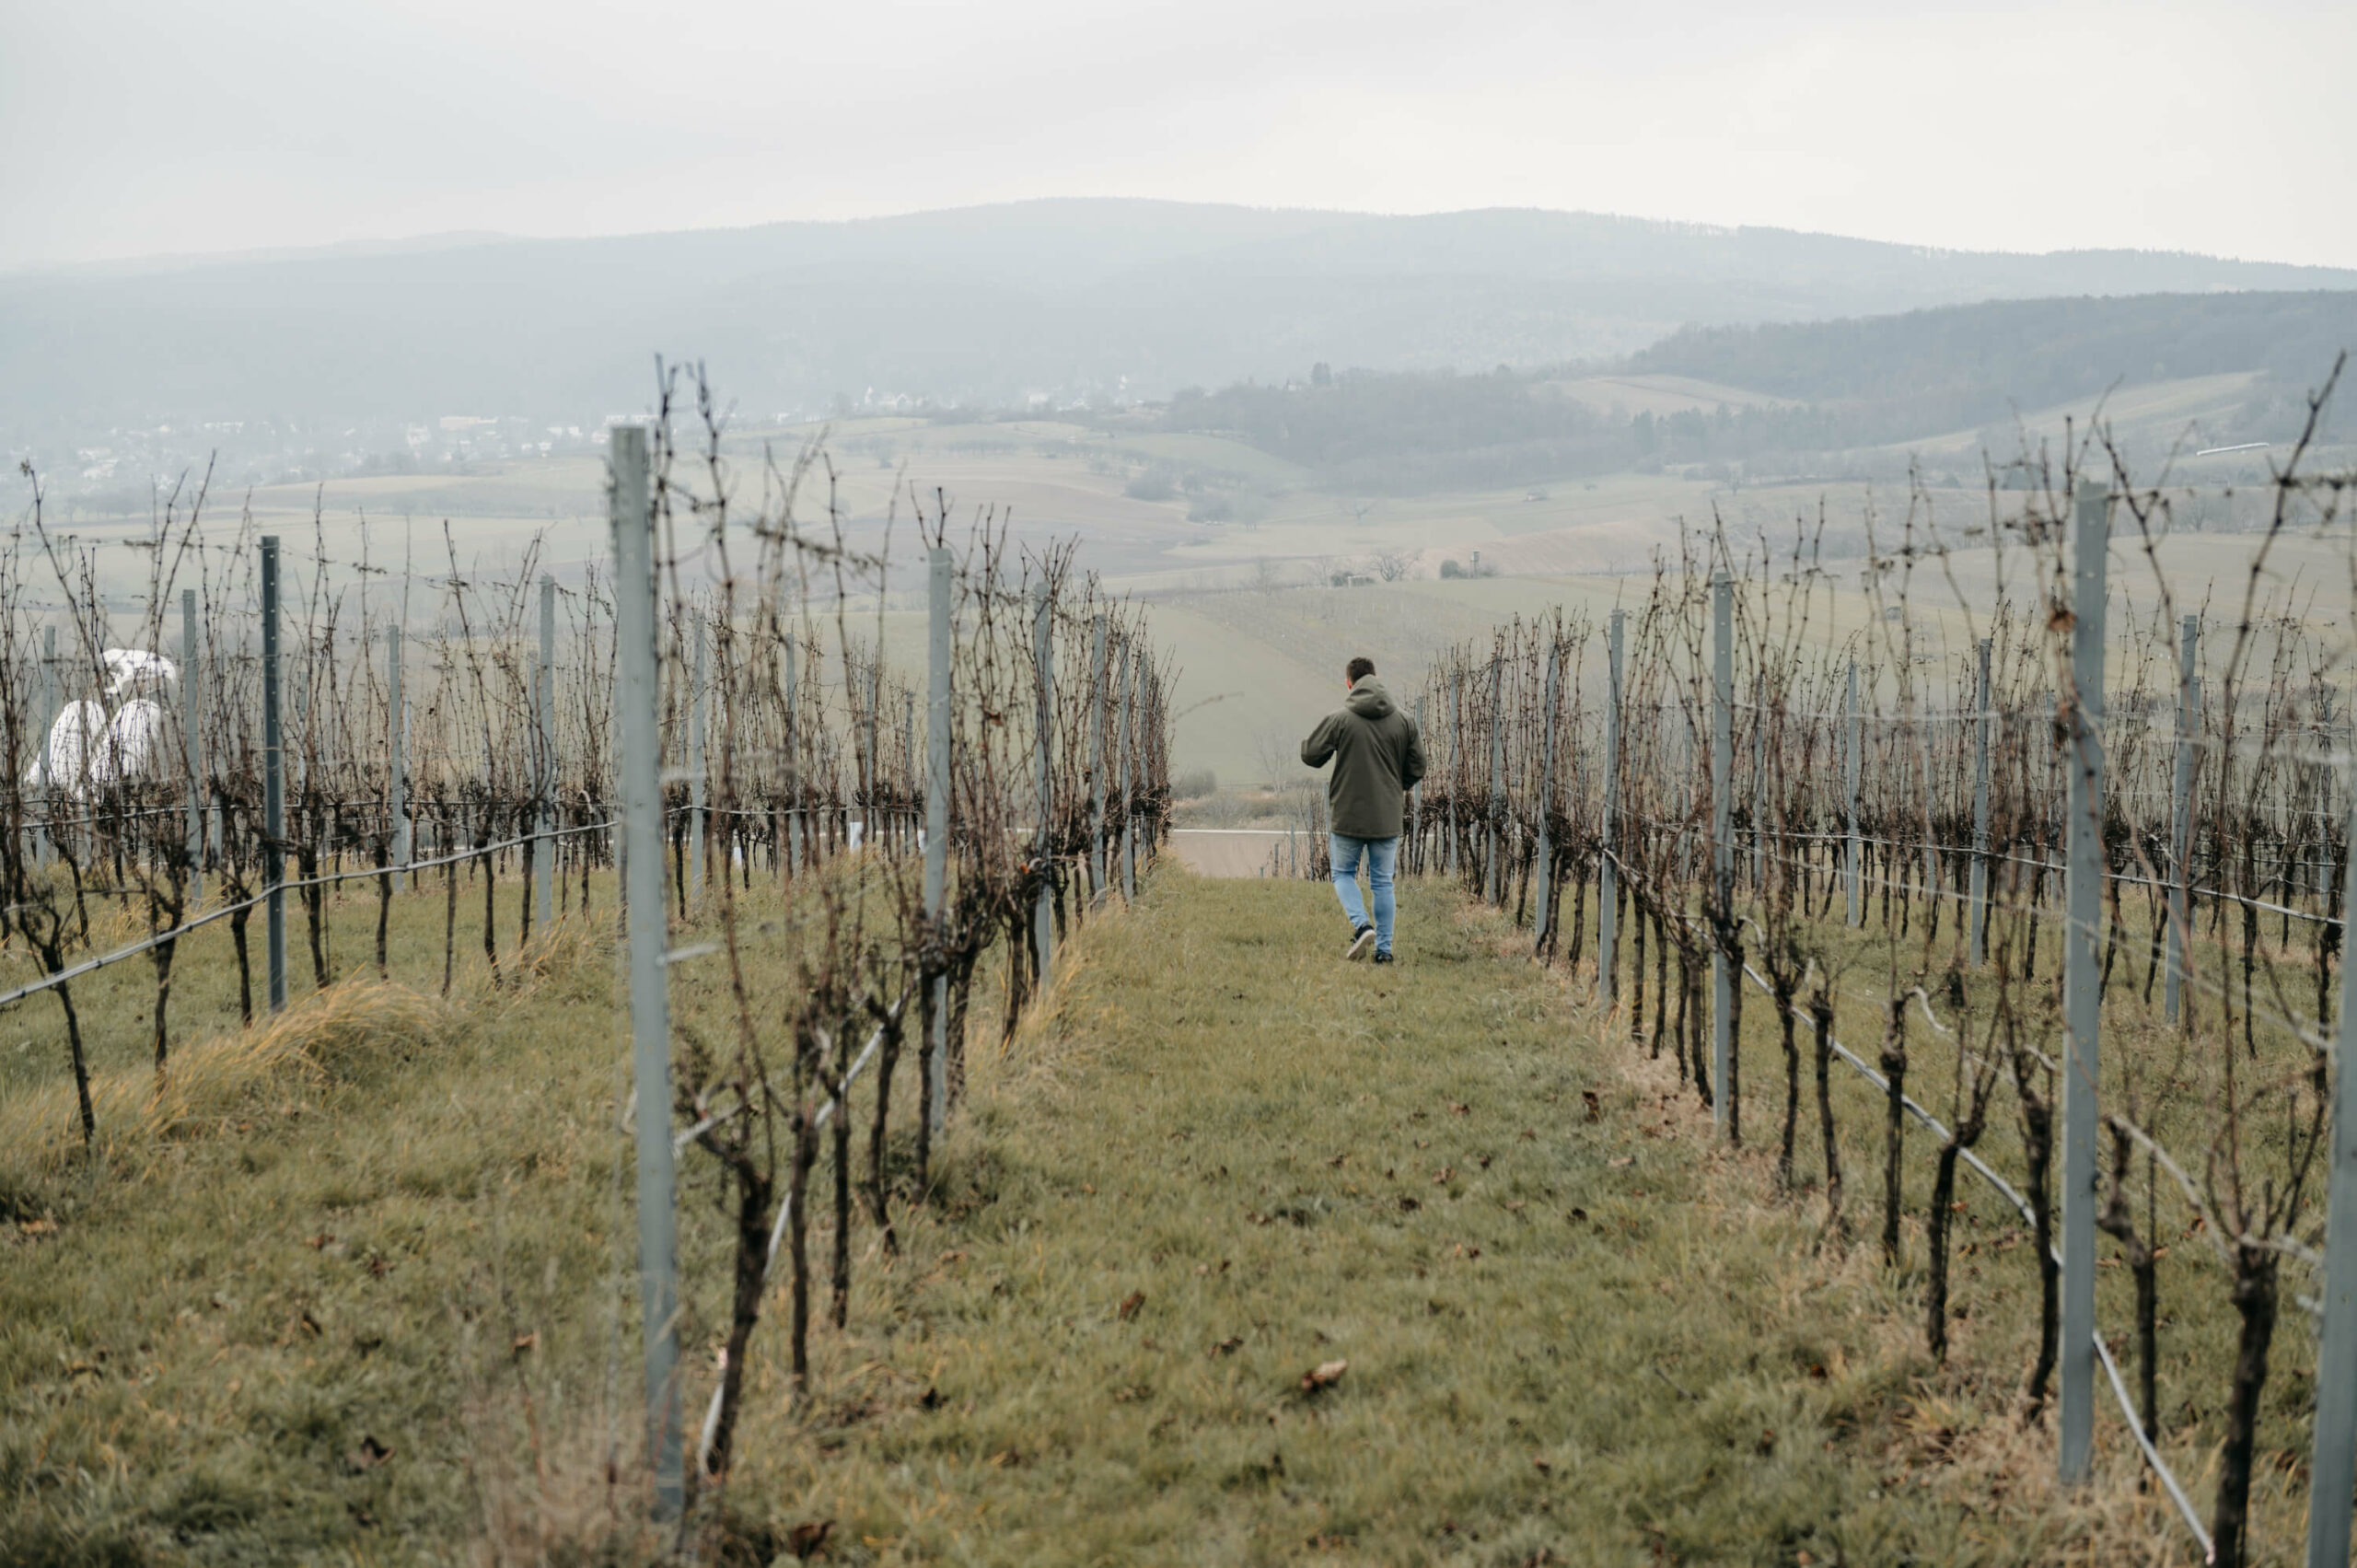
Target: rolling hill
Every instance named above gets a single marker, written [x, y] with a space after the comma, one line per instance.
[990, 306]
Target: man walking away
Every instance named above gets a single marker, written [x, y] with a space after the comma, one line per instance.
[1377, 758]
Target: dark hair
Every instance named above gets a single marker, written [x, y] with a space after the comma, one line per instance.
[1359, 669]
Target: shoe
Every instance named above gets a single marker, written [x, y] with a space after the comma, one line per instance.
[1360, 942]
[1385, 959]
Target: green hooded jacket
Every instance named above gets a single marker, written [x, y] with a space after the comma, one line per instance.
[1377, 758]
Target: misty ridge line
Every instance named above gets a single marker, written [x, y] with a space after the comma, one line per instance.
[371, 245]
[1067, 302]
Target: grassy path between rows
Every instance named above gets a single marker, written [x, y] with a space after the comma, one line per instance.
[1231, 1158]
[373, 1307]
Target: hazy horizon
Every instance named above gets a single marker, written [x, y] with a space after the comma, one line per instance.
[378, 245]
[258, 124]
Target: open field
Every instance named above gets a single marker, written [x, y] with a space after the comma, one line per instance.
[1240, 607]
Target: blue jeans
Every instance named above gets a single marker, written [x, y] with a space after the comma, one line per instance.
[1382, 859]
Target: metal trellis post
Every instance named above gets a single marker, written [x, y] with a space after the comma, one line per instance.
[695, 761]
[192, 749]
[939, 644]
[1545, 874]
[1759, 785]
[2333, 1467]
[1043, 912]
[1456, 764]
[1854, 734]
[640, 772]
[1492, 870]
[1976, 918]
[273, 779]
[2189, 730]
[1128, 732]
[1099, 707]
[794, 769]
[1607, 881]
[2082, 982]
[45, 837]
[397, 740]
[544, 850]
[1724, 1117]
[1416, 807]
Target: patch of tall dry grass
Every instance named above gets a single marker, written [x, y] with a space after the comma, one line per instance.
[327, 1036]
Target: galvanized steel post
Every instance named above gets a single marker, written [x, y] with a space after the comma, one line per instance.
[1546, 876]
[1099, 707]
[397, 740]
[1414, 861]
[273, 780]
[1977, 937]
[2189, 731]
[1725, 1115]
[1759, 784]
[696, 760]
[938, 646]
[794, 840]
[2082, 980]
[192, 748]
[638, 730]
[1493, 870]
[45, 837]
[1043, 672]
[544, 846]
[1607, 881]
[1454, 767]
[1854, 732]
[1130, 670]
[2332, 1468]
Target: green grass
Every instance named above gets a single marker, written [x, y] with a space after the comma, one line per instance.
[1583, 1337]
[1593, 1338]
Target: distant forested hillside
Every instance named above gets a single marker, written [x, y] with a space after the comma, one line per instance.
[1833, 391]
[1952, 369]
[1055, 301]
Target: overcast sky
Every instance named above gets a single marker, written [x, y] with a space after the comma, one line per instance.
[138, 128]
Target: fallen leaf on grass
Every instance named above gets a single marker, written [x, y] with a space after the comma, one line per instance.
[807, 1541]
[1325, 1374]
[1539, 1462]
[1228, 1346]
[1595, 1105]
[1457, 1110]
[319, 1242]
[1408, 1205]
[1579, 1216]
[1441, 1176]
[1622, 1163]
[526, 1341]
[1130, 1304]
[1529, 1136]
[367, 1457]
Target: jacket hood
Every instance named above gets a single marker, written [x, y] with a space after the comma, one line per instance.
[1369, 700]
